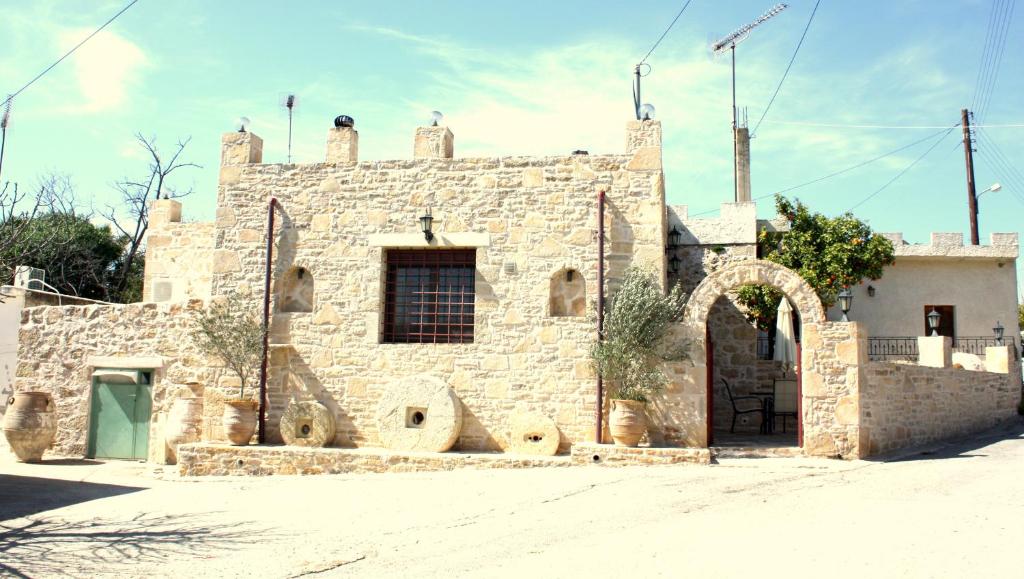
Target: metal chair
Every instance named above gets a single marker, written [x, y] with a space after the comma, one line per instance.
[736, 410]
[785, 401]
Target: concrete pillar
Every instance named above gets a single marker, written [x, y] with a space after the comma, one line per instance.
[237, 148]
[433, 143]
[997, 359]
[342, 145]
[935, 351]
[742, 165]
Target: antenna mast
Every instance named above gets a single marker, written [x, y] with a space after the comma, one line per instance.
[730, 42]
[289, 103]
[4, 121]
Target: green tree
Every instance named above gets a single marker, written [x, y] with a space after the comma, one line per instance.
[77, 256]
[829, 253]
[231, 330]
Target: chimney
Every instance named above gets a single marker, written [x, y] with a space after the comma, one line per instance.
[434, 142]
[742, 165]
[342, 145]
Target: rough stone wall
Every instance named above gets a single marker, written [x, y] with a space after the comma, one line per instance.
[58, 348]
[536, 216]
[834, 357]
[178, 256]
[905, 404]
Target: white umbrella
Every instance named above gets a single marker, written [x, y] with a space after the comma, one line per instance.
[785, 341]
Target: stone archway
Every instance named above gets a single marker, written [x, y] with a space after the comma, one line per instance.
[699, 307]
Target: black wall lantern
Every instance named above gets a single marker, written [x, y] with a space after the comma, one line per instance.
[673, 264]
[845, 301]
[933, 321]
[675, 238]
[427, 224]
[998, 331]
[871, 291]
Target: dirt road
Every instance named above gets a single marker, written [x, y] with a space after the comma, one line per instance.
[955, 511]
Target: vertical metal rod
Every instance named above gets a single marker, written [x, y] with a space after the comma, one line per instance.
[262, 437]
[636, 92]
[289, 135]
[599, 410]
[972, 198]
[735, 177]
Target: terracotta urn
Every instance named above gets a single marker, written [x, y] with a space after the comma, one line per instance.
[184, 423]
[30, 424]
[239, 421]
[627, 421]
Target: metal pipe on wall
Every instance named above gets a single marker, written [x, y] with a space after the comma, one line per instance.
[599, 412]
[262, 432]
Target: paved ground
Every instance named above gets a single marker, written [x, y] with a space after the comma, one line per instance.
[951, 511]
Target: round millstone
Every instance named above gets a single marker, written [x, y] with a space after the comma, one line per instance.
[419, 413]
[533, 433]
[307, 423]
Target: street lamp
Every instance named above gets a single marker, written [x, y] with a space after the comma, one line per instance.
[845, 301]
[998, 331]
[994, 188]
[933, 321]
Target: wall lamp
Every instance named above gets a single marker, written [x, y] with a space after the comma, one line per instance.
[674, 263]
[675, 239]
[998, 331]
[845, 301]
[427, 225]
[871, 291]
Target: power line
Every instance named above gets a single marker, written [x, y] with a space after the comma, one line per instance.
[663, 34]
[998, 61]
[1003, 166]
[68, 53]
[788, 66]
[904, 171]
[841, 126]
[840, 172]
[985, 53]
[1000, 18]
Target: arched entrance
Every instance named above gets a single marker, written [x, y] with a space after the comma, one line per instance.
[702, 302]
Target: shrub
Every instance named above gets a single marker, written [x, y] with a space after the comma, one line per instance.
[230, 330]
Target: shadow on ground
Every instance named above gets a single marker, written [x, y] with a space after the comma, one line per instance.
[22, 496]
[960, 448]
[50, 547]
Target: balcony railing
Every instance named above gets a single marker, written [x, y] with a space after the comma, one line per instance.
[905, 347]
[895, 348]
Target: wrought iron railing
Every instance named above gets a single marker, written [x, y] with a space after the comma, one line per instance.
[894, 348]
[905, 347]
[973, 344]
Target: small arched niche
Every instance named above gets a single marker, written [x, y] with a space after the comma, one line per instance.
[568, 295]
[297, 291]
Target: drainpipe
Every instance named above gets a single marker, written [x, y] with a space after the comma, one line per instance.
[599, 413]
[262, 436]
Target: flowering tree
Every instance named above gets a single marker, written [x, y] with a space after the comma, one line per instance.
[829, 253]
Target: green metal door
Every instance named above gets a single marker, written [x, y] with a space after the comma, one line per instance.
[119, 417]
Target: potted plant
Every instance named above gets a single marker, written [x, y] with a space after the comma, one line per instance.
[230, 330]
[632, 348]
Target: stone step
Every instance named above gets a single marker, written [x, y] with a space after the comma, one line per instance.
[756, 451]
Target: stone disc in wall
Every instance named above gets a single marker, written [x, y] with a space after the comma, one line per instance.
[533, 433]
[419, 413]
[307, 423]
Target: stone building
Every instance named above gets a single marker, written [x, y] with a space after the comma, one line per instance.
[498, 302]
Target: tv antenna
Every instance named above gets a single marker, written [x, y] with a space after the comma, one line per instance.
[289, 103]
[730, 42]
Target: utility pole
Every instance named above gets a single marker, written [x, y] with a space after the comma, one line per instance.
[972, 198]
[735, 152]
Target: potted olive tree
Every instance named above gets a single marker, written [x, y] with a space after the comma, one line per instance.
[230, 330]
[632, 348]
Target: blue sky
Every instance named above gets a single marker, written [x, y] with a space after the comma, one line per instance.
[527, 78]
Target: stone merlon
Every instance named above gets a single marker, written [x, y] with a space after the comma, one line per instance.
[1002, 246]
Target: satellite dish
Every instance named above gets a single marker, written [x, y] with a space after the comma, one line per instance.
[647, 112]
[243, 124]
[436, 118]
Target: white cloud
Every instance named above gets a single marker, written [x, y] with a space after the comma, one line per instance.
[105, 68]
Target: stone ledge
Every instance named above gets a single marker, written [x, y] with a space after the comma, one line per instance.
[209, 459]
[584, 453]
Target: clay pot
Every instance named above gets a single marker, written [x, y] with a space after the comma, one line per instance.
[239, 420]
[184, 423]
[30, 424]
[627, 421]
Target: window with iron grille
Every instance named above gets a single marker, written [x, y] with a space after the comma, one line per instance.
[428, 296]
